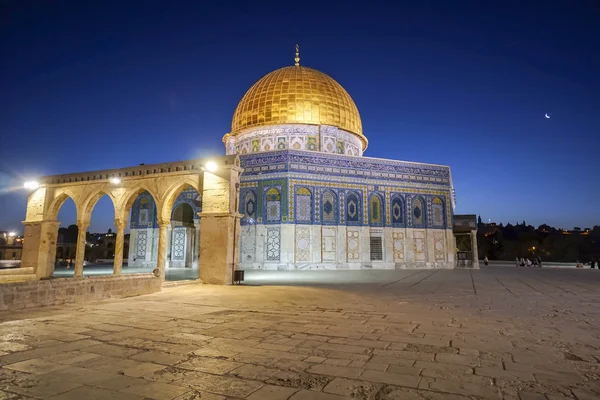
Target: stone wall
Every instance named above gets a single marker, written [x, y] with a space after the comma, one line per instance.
[70, 290]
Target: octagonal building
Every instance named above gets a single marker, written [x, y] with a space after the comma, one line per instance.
[308, 196]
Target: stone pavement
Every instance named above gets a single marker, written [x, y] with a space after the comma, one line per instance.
[497, 333]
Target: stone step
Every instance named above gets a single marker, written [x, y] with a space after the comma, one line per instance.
[16, 271]
[17, 278]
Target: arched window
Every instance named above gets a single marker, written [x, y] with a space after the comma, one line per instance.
[437, 209]
[143, 217]
[273, 205]
[303, 205]
[418, 211]
[328, 209]
[375, 210]
[397, 210]
[250, 205]
[352, 208]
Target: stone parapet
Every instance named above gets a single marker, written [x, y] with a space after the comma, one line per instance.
[68, 290]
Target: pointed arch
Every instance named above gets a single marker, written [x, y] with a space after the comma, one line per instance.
[353, 208]
[419, 214]
[376, 210]
[303, 206]
[329, 208]
[173, 192]
[438, 212]
[89, 203]
[57, 203]
[398, 210]
[273, 205]
[248, 205]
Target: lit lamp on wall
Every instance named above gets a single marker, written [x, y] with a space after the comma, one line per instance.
[114, 180]
[31, 185]
[210, 166]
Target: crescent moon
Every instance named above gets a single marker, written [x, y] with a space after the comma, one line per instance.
[547, 115]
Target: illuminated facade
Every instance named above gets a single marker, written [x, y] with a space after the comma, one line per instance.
[308, 196]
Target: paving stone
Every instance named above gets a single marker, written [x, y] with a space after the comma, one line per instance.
[156, 390]
[222, 385]
[70, 357]
[299, 380]
[399, 393]
[310, 395]
[256, 372]
[390, 378]
[344, 348]
[270, 392]
[504, 374]
[95, 393]
[360, 390]
[337, 361]
[83, 376]
[212, 365]
[315, 359]
[458, 387]
[333, 370]
[471, 361]
[35, 366]
[158, 357]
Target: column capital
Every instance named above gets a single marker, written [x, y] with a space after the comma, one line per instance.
[163, 222]
[120, 224]
[83, 224]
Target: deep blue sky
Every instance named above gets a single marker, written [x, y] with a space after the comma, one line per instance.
[105, 85]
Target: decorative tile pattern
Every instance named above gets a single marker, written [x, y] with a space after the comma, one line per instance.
[303, 205]
[352, 208]
[439, 245]
[142, 241]
[328, 243]
[328, 207]
[250, 204]
[437, 211]
[178, 244]
[398, 245]
[273, 244]
[353, 245]
[375, 210]
[273, 205]
[419, 246]
[302, 252]
[418, 212]
[397, 210]
[248, 243]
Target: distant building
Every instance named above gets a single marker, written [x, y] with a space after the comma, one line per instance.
[11, 246]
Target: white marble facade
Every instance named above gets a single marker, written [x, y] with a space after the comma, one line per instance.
[294, 246]
[182, 247]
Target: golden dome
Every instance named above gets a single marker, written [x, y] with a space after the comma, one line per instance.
[297, 95]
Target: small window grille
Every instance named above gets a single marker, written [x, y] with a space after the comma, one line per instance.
[376, 248]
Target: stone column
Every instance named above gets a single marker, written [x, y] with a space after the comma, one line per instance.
[82, 227]
[220, 225]
[474, 249]
[161, 259]
[196, 244]
[118, 264]
[39, 247]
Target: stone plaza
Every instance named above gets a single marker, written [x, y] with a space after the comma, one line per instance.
[494, 333]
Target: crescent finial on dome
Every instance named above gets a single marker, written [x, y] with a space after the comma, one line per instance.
[297, 59]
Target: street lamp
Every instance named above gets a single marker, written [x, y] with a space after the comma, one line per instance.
[12, 234]
[31, 185]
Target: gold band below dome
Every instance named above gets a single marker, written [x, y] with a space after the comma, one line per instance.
[297, 95]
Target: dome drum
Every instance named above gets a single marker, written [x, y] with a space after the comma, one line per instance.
[321, 138]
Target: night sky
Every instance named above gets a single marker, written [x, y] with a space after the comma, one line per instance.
[106, 85]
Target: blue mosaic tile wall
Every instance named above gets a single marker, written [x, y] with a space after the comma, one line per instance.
[143, 211]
